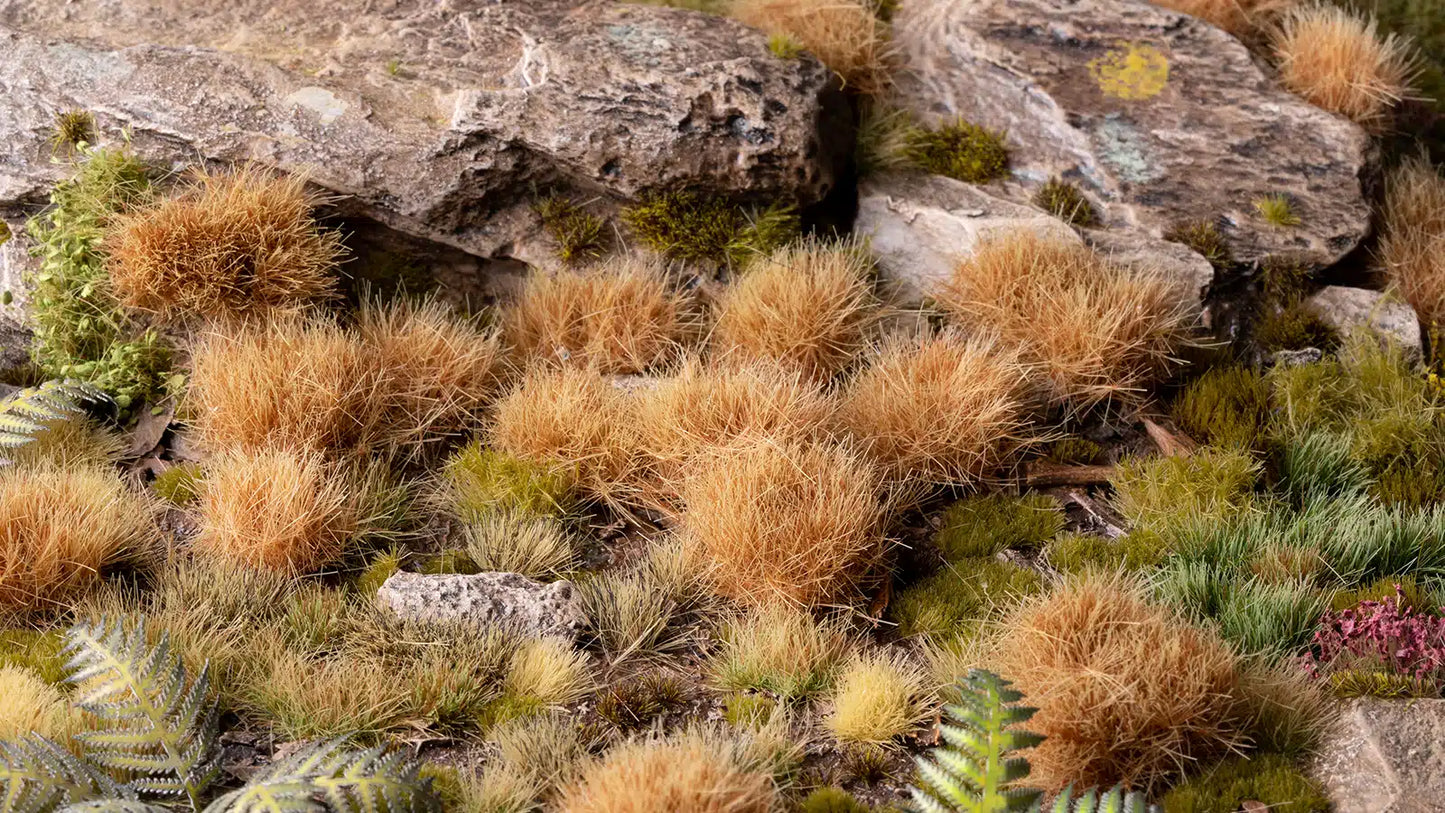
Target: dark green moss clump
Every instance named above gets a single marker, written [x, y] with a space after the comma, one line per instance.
[72, 129]
[1076, 451]
[1205, 238]
[690, 226]
[982, 526]
[1064, 201]
[963, 151]
[1270, 779]
[179, 485]
[1227, 406]
[1294, 327]
[580, 235]
[954, 600]
[832, 800]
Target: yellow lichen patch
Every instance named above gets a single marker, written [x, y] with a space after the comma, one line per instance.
[1133, 72]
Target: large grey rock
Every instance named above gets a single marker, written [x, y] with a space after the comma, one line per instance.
[436, 118]
[1348, 309]
[1385, 757]
[486, 599]
[920, 226]
[1160, 117]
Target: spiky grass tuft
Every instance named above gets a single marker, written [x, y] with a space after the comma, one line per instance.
[290, 512]
[516, 542]
[944, 410]
[1205, 239]
[1412, 246]
[60, 529]
[581, 236]
[1064, 201]
[477, 482]
[180, 484]
[879, 696]
[808, 306]
[982, 526]
[1099, 332]
[230, 246]
[785, 520]
[1228, 406]
[694, 770]
[572, 421]
[29, 705]
[1337, 60]
[845, 35]
[780, 649]
[625, 317]
[73, 129]
[1165, 492]
[961, 597]
[688, 226]
[960, 150]
[1125, 691]
[1276, 210]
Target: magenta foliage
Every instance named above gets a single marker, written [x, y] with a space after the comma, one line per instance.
[1381, 634]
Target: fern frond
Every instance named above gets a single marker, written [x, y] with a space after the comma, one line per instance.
[23, 415]
[975, 773]
[1114, 800]
[162, 730]
[327, 776]
[112, 806]
[38, 776]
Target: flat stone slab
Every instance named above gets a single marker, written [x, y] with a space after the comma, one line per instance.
[1159, 117]
[1386, 756]
[508, 600]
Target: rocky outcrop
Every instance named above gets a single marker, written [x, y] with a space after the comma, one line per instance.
[920, 226]
[508, 600]
[440, 119]
[1385, 757]
[1160, 118]
[1348, 309]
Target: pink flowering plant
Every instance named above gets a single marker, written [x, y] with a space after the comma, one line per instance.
[1381, 636]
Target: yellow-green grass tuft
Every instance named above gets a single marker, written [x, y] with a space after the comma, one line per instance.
[809, 306]
[1163, 493]
[960, 150]
[40, 652]
[795, 521]
[477, 482]
[75, 440]
[779, 649]
[1205, 238]
[1228, 406]
[72, 129]
[61, 529]
[692, 227]
[1075, 451]
[548, 672]
[623, 317]
[30, 706]
[1276, 210]
[944, 410]
[581, 236]
[1294, 327]
[537, 546]
[180, 484]
[1099, 332]
[960, 597]
[1267, 779]
[229, 246]
[879, 696]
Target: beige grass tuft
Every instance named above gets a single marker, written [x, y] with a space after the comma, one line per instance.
[29, 705]
[1126, 691]
[1099, 331]
[1412, 247]
[845, 35]
[60, 528]
[231, 245]
[942, 410]
[787, 520]
[1336, 59]
[692, 771]
[625, 317]
[286, 511]
[1242, 18]
[575, 421]
[808, 306]
[879, 696]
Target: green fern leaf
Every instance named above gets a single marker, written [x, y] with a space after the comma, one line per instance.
[327, 776]
[38, 776]
[1114, 800]
[112, 806]
[162, 732]
[24, 414]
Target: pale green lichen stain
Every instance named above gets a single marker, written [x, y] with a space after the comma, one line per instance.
[1125, 148]
[1133, 72]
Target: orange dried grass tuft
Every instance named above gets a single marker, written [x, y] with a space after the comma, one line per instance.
[1337, 60]
[693, 771]
[1412, 246]
[231, 245]
[845, 35]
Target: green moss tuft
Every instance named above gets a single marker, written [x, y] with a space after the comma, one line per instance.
[832, 800]
[1276, 210]
[478, 481]
[1227, 406]
[40, 651]
[1076, 451]
[1078, 553]
[690, 226]
[1064, 201]
[783, 46]
[1294, 327]
[982, 526]
[447, 783]
[1204, 237]
[580, 235]
[1283, 280]
[954, 600]
[1348, 683]
[1415, 596]
[180, 484]
[963, 151]
[382, 567]
[1270, 779]
[1167, 492]
[449, 562]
